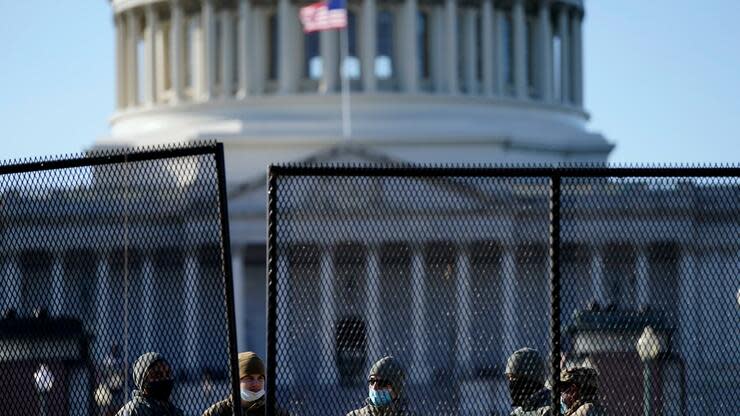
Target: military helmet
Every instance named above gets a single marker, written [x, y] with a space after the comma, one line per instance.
[526, 363]
[390, 369]
[583, 377]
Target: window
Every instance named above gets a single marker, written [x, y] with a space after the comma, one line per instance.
[507, 37]
[422, 44]
[384, 60]
[351, 65]
[313, 62]
[272, 47]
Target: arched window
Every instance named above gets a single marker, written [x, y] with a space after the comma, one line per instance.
[384, 66]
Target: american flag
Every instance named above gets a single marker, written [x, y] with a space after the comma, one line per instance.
[324, 15]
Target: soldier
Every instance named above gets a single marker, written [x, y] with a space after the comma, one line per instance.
[525, 372]
[579, 394]
[252, 389]
[385, 390]
[154, 383]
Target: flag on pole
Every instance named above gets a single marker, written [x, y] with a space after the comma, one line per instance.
[324, 15]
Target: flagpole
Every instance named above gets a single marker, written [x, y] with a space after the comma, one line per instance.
[346, 104]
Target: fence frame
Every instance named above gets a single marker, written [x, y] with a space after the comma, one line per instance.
[553, 173]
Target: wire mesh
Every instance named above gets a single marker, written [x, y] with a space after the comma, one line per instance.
[450, 272]
[104, 259]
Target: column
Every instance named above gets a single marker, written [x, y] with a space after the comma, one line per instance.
[598, 286]
[463, 314]
[577, 58]
[285, 63]
[237, 270]
[227, 56]
[120, 62]
[177, 63]
[544, 52]
[330, 57]
[471, 51]
[451, 46]
[368, 44]
[328, 368]
[57, 285]
[520, 45]
[643, 277]
[190, 307]
[564, 35]
[487, 42]
[372, 304]
[13, 279]
[208, 56]
[132, 80]
[410, 54]
[499, 53]
[148, 312]
[243, 49]
[420, 371]
[196, 59]
[103, 316]
[150, 58]
[510, 317]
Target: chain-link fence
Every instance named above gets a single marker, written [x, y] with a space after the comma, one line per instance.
[108, 257]
[623, 281]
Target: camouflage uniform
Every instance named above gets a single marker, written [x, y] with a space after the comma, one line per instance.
[389, 369]
[141, 405]
[587, 381]
[526, 364]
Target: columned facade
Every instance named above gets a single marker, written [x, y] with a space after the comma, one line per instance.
[227, 52]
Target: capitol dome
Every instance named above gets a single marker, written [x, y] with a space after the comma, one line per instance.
[479, 81]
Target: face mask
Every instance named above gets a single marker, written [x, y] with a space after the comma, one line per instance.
[250, 396]
[380, 398]
[160, 389]
[520, 390]
[563, 407]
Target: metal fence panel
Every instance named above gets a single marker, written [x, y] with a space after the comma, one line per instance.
[105, 258]
[451, 270]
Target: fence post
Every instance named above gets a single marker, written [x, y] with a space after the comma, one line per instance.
[229, 278]
[555, 289]
[272, 276]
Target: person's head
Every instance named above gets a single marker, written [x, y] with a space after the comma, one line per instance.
[153, 376]
[578, 384]
[525, 373]
[251, 377]
[385, 381]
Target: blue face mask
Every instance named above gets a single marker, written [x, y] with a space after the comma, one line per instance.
[380, 398]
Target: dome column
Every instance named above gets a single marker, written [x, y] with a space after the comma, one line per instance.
[150, 58]
[450, 44]
[368, 44]
[544, 51]
[177, 63]
[410, 54]
[121, 75]
[208, 57]
[577, 57]
[520, 59]
[487, 42]
[245, 62]
[564, 35]
[132, 66]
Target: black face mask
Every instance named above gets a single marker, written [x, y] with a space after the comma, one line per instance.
[159, 390]
[520, 390]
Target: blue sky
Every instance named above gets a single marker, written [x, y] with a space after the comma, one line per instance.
[662, 77]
